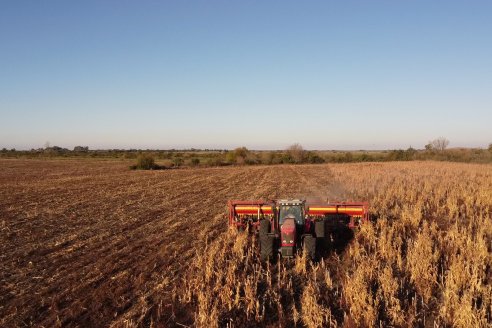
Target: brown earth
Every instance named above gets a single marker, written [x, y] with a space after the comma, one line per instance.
[91, 243]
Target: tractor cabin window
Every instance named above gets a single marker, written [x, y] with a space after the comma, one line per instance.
[291, 210]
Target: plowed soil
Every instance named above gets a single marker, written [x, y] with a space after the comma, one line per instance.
[91, 243]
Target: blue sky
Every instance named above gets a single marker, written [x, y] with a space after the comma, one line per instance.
[263, 74]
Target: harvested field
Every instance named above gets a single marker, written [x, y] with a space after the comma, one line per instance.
[91, 243]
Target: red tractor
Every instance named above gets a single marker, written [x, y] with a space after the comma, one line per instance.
[284, 226]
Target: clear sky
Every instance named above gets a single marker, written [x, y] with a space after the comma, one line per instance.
[260, 74]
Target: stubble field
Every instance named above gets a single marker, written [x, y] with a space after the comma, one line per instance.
[91, 243]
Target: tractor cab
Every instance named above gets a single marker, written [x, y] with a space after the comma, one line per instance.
[291, 224]
[291, 209]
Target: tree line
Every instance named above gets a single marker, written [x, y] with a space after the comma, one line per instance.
[436, 149]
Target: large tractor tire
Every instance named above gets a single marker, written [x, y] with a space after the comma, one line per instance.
[266, 240]
[319, 229]
[264, 227]
[310, 246]
[266, 247]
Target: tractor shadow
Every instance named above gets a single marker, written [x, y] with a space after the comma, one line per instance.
[338, 237]
[336, 240]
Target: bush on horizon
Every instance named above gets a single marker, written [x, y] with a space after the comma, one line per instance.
[145, 162]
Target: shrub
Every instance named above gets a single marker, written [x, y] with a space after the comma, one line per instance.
[314, 158]
[178, 161]
[145, 162]
[241, 151]
[81, 149]
[285, 158]
[230, 157]
[366, 157]
[267, 157]
[215, 161]
[242, 155]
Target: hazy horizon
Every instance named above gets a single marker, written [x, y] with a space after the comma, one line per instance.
[345, 76]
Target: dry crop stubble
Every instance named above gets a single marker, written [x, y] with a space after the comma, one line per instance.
[101, 245]
[425, 260]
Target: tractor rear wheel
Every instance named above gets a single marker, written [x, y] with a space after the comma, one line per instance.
[264, 227]
[266, 240]
[266, 247]
[310, 246]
